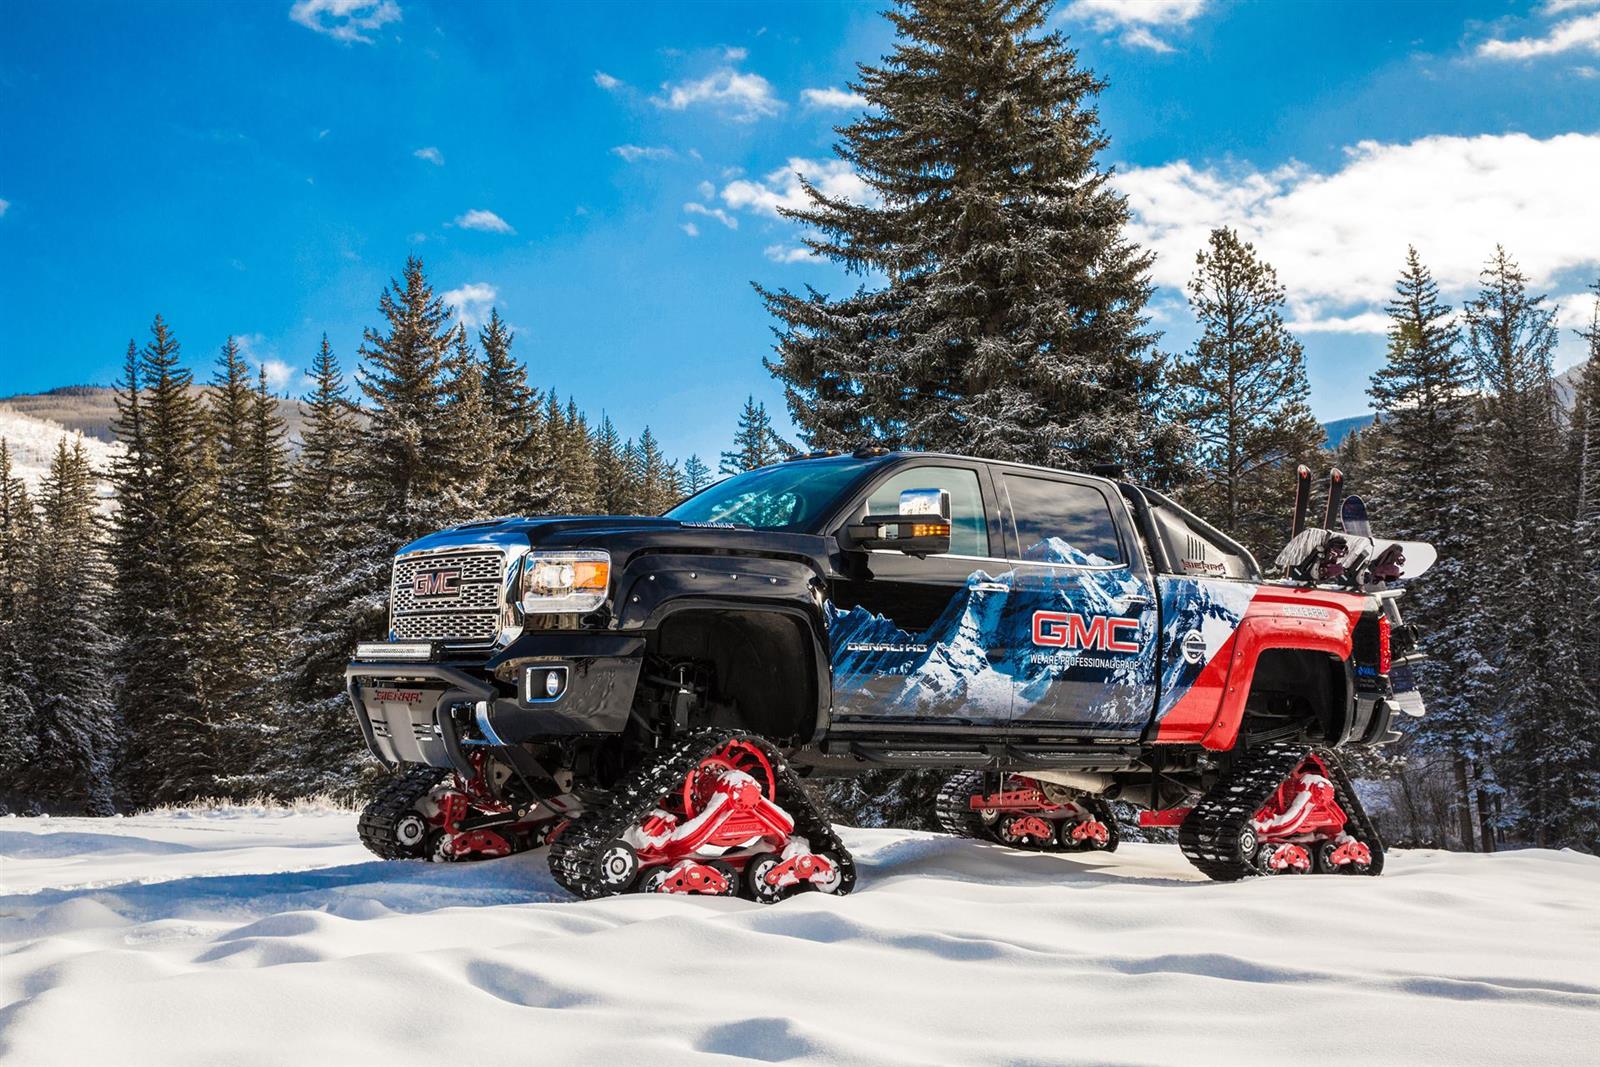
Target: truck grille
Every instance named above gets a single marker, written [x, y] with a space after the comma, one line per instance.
[454, 597]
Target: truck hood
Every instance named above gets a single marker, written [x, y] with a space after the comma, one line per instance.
[622, 535]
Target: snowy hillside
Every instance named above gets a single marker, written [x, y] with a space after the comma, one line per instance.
[33, 440]
[252, 937]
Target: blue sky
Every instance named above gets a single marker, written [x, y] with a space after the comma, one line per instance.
[606, 174]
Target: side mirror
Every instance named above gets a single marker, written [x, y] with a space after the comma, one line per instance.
[920, 528]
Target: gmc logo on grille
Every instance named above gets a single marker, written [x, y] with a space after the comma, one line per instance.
[443, 581]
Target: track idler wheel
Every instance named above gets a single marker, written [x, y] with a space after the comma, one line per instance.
[619, 866]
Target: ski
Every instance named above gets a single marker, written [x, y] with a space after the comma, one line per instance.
[1335, 497]
[1302, 500]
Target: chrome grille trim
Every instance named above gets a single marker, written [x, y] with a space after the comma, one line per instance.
[478, 615]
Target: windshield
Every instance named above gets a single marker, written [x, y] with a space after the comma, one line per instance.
[784, 496]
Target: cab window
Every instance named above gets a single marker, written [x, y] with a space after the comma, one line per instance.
[1062, 522]
[969, 530]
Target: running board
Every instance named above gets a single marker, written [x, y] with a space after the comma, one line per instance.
[902, 752]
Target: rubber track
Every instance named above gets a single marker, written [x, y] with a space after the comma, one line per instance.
[1209, 836]
[952, 808]
[381, 815]
[953, 812]
[575, 855]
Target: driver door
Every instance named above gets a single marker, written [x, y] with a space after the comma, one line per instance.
[915, 641]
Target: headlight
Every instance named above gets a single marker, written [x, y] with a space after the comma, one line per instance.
[565, 581]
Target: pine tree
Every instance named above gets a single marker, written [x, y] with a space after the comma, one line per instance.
[75, 737]
[658, 482]
[314, 747]
[1012, 322]
[469, 436]
[403, 479]
[19, 534]
[519, 478]
[1512, 336]
[572, 456]
[170, 693]
[612, 494]
[1582, 819]
[1424, 485]
[755, 444]
[696, 475]
[1243, 395]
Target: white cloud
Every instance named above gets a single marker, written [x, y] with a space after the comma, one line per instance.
[781, 188]
[5, 205]
[735, 55]
[712, 213]
[606, 81]
[1136, 20]
[744, 97]
[345, 20]
[488, 221]
[832, 99]
[1574, 34]
[431, 154]
[280, 375]
[471, 302]
[782, 253]
[707, 190]
[1556, 7]
[633, 153]
[691, 229]
[1337, 239]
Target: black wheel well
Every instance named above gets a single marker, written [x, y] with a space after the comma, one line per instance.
[1298, 692]
[762, 670]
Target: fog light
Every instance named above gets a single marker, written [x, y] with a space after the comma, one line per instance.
[544, 683]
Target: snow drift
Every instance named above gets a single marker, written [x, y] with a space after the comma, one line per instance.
[265, 938]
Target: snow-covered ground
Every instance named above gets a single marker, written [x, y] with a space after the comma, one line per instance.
[250, 937]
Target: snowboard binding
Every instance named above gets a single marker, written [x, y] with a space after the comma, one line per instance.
[1349, 557]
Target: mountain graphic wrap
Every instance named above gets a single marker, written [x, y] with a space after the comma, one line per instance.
[978, 659]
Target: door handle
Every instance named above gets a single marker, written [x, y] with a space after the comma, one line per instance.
[991, 587]
[1129, 603]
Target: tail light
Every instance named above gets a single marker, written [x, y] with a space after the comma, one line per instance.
[1385, 652]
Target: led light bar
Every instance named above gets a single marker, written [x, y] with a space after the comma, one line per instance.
[398, 651]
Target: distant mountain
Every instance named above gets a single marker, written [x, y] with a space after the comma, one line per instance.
[32, 442]
[1339, 429]
[90, 409]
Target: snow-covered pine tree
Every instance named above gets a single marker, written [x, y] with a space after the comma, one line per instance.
[696, 475]
[610, 471]
[572, 460]
[659, 483]
[1524, 545]
[1423, 483]
[469, 438]
[167, 584]
[315, 748]
[1012, 323]
[19, 533]
[265, 486]
[628, 498]
[755, 444]
[227, 405]
[1242, 393]
[520, 476]
[405, 483]
[75, 735]
[1581, 823]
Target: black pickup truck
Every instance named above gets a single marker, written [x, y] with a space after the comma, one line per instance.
[648, 696]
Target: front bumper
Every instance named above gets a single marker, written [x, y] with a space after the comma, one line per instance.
[436, 712]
